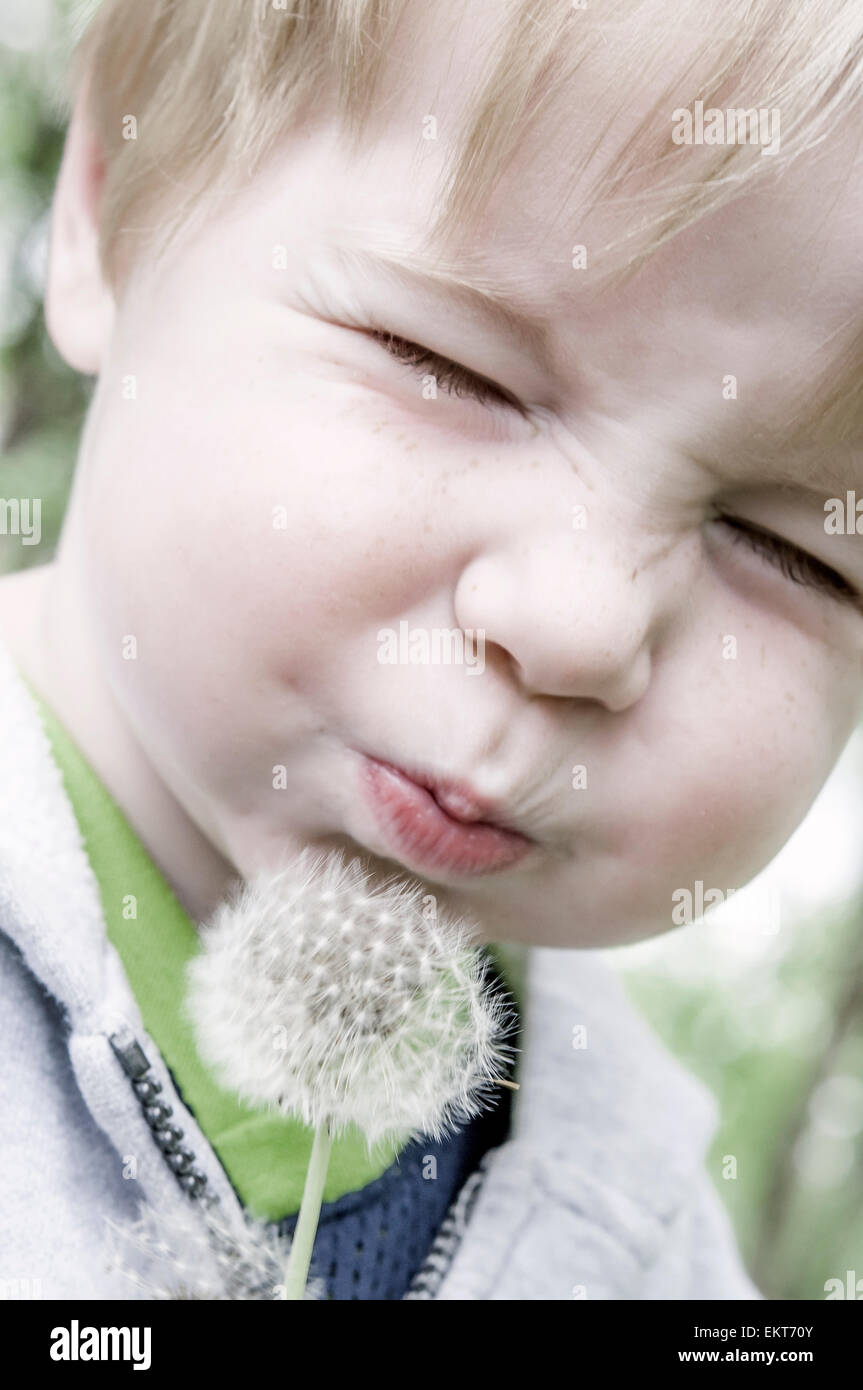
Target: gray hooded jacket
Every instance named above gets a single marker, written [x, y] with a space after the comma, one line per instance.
[599, 1193]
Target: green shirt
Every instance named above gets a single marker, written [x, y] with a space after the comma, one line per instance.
[264, 1153]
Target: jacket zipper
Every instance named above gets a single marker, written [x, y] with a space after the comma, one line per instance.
[181, 1160]
[179, 1157]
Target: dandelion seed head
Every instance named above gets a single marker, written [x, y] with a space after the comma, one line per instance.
[404, 1037]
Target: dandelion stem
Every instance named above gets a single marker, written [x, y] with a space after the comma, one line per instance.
[297, 1268]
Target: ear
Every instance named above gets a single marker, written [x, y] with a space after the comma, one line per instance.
[79, 306]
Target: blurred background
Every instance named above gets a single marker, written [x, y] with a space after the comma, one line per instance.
[764, 1001]
[42, 401]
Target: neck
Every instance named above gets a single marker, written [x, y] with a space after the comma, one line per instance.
[43, 624]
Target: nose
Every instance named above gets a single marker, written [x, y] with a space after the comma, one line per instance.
[576, 617]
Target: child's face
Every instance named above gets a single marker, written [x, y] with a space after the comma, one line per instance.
[279, 490]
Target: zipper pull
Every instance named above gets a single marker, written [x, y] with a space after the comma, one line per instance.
[130, 1054]
[179, 1159]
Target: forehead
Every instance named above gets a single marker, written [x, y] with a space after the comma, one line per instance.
[767, 286]
[772, 275]
[593, 152]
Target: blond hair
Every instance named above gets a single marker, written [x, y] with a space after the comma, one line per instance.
[214, 86]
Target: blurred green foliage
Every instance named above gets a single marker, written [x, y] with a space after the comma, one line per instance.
[783, 1052]
[42, 400]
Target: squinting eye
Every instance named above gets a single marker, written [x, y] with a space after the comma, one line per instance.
[455, 379]
[796, 564]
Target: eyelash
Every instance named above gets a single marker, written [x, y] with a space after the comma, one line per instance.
[455, 379]
[796, 564]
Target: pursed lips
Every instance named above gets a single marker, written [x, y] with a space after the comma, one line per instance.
[438, 823]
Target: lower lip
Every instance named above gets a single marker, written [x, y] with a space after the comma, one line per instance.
[425, 836]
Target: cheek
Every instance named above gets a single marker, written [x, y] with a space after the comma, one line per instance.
[745, 755]
[248, 571]
[218, 517]
[255, 507]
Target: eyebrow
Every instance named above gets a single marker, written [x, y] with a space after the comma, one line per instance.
[831, 414]
[769, 466]
[826, 416]
[820, 445]
[475, 293]
[776, 457]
